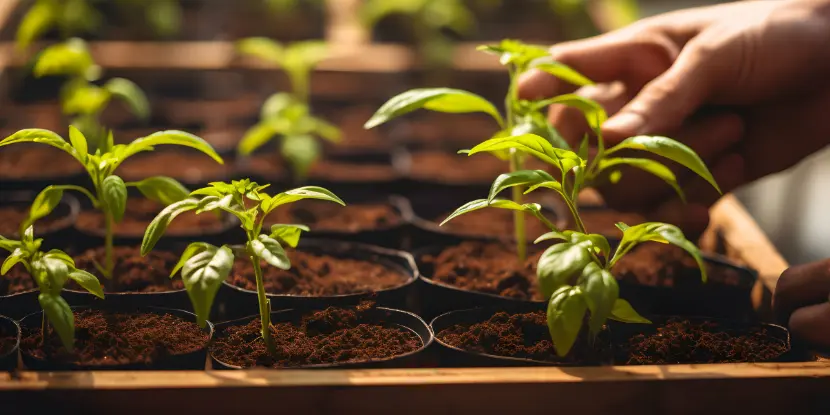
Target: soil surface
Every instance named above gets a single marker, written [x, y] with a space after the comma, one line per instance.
[519, 335]
[36, 162]
[663, 265]
[8, 339]
[489, 268]
[491, 222]
[683, 341]
[13, 216]
[271, 166]
[140, 212]
[318, 275]
[133, 273]
[442, 129]
[105, 339]
[324, 216]
[187, 167]
[455, 168]
[334, 335]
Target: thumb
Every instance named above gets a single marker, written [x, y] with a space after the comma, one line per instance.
[664, 103]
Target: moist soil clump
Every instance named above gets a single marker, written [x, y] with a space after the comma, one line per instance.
[334, 335]
[13, 216]
[318, 275]
[491, 222]
[140, 212]
[332, 217]
[683, 341]
[518, 335]
[8, 339]
[133, 273]
[487, 267]
[105, 339]
[663, 265]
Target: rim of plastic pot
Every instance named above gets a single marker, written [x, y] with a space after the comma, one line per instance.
[12, 323]
[340, 247]
[209, 327]
[630, 329]
[444, 321]
[427, 337]
[748, 276]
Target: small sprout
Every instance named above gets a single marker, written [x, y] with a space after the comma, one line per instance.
[110, 191]
[204, 266]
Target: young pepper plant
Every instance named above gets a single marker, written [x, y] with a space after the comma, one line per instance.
[50, 270]
[70, 17]
[81, 99]
[204, 266]
[288, 114]
[109, 190]
[575, 275]
[520, 116]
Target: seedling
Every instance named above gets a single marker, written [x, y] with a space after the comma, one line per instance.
[110, 191]
[50, 270]
[204, 266]
[575, 275]
[288, 114]
[80, 98]
[520, 116]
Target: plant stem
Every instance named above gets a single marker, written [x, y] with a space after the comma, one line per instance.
[264, 307]
[44, 328]
[518, 216]
[109, 265]
[575, 213]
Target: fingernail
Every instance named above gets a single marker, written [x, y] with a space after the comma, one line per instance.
[628, 123]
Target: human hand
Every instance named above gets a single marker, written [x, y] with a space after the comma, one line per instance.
[759, 60]
[801, 302]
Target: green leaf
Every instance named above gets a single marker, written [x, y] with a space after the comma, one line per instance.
[164, 15]
[173, 137]
[625, 313]
[17, 256]
[495, 203]
[288, 234]
[434, 99]
[262, 48]
[192, 249]
[38, 20]
[657, 232]
[88, 281]
[514, 52]
[670, 149]
[651, 166]
[159, 224]
[278, 104]
[45, 202]
[202, 275]
[300, 193]
[209, 203]
[593, 241]
[325, 129]
[55, 271]
[601, 293]
[535, 145]
[301, 151]
[592, 110]
[566, 310]
[39, 135]
[114, 196]
[87, 100]
[553, 185]
[271, 251]
[584, 147]
[130, 93]
[161, 189]
[70, 58]
[256, 137]
[9, 244]
[560, 263]
[560, 70]
[61, 317]
[517, 178]
[78, 142]
[60, 256]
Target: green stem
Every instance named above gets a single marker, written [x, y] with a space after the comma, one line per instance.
[44, 328]
[109, 265]
[518, 216]
[264, 304]
[575, 213]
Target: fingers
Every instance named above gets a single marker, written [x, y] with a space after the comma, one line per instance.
[811, 325]
[801, 286]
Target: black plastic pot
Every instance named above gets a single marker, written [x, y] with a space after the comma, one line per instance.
[452, 356]
[388, 316]
[188, 361]
[236, 302]
[621, 334]
[711, 299]
[8, 360]
[60, 235]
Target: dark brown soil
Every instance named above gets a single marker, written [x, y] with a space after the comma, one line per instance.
[13, 216]
[318, 275]
[184, 166]
[491, 222]
[133, 273]
[458, 168]
[8, 339]
[443, 128]
[682, 341]
[36, 162]
[356, 138]
[270, 165]
[663, 265]
[489, 268]
[603, 221]
[334, 335]
[17, 280]
[105, 339]
[519, 335]
[140, 212]
[323, 216]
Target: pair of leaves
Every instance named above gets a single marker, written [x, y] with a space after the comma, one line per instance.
[268, 204]
[446, 100]
[204, 267]
[159, 224]
[71, 58]
[532, 208]
[657, 232]
[537, 146]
